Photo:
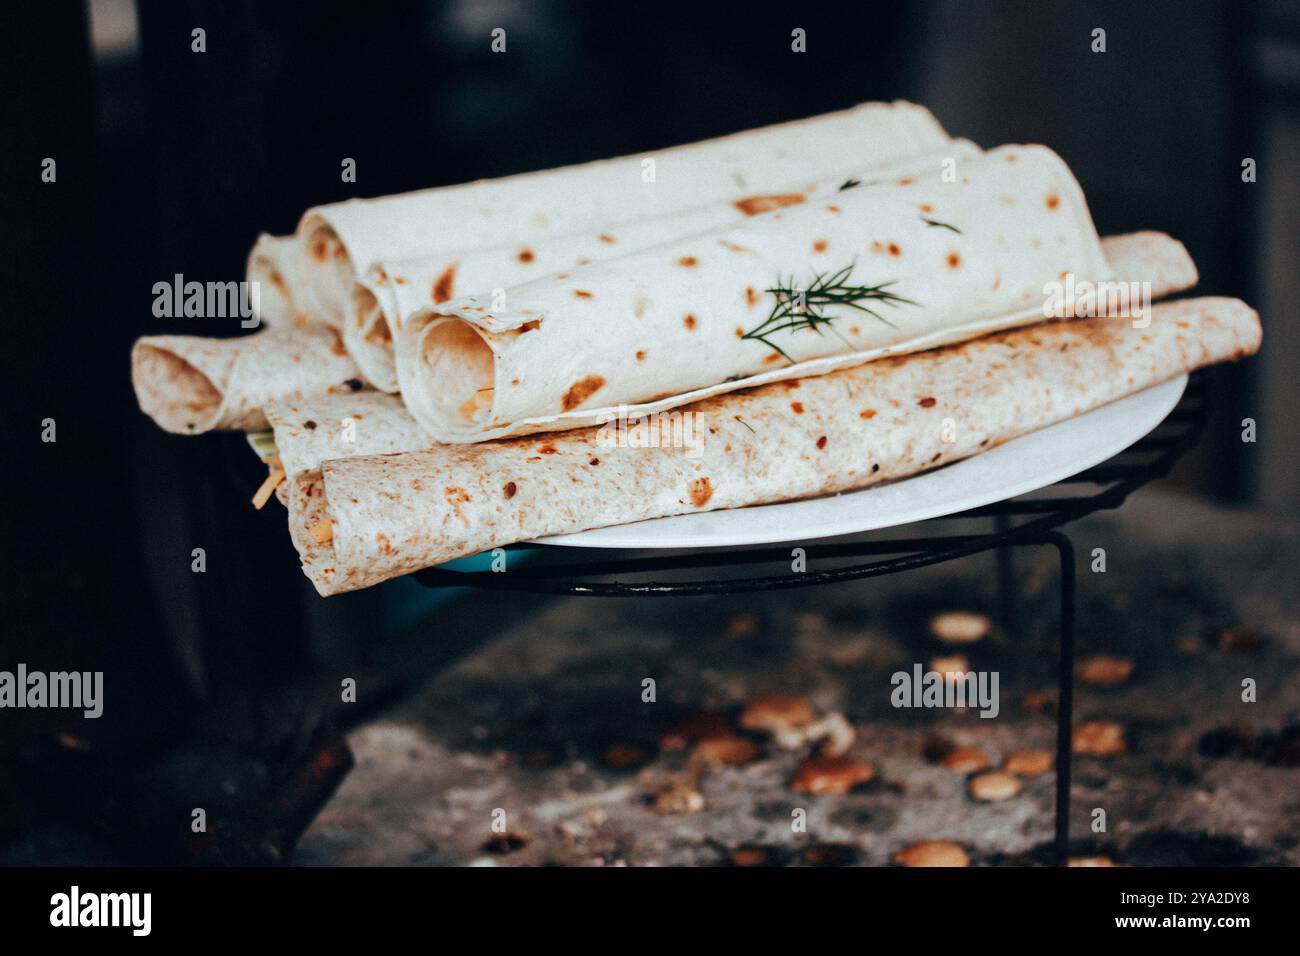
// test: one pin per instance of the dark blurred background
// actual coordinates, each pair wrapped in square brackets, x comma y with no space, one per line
[171,161]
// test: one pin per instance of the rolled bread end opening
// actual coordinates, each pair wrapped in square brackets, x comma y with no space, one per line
[326,252]
[311,528]
[460,371]
[173,392]
[272,265]
[274,300]
[369,338]
[369,319]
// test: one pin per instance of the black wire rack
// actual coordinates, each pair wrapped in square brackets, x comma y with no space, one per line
[1031,520]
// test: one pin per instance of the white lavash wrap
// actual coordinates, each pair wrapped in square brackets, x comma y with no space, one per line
[662,327]
[189,384]
[389,515]
[317,428]
[343,424]
[278,264]
[342,240]
[273,264]
[393,289]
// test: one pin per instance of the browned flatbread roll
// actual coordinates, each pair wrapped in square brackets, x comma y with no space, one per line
[359,521]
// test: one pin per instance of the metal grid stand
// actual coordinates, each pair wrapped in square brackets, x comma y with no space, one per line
[1018,522]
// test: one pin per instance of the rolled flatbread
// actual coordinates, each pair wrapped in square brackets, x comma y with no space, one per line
[393,289]
[936,257]
[342,240]
[189,384]
[343,424]
[278,265]
[359,521]
[316,428]
[273,264]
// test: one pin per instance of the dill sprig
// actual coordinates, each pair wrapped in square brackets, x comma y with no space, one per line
[941,225]
[802,308]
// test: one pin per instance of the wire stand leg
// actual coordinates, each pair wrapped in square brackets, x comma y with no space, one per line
[1006,596]
[1065,702]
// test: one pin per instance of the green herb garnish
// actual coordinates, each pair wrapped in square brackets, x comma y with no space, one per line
[797,308]
[941,225]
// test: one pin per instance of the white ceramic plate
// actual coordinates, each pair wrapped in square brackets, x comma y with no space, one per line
[1026,464]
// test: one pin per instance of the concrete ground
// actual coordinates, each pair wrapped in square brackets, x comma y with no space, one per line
[537,747]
